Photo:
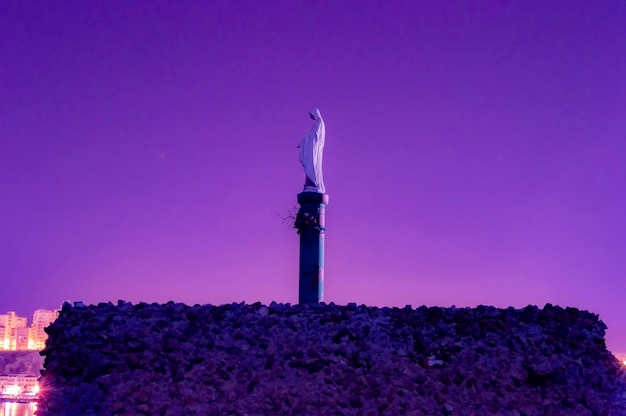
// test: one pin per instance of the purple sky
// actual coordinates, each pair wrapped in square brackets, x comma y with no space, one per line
[475,151]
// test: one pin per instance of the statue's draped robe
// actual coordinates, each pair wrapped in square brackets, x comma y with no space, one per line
[311,152]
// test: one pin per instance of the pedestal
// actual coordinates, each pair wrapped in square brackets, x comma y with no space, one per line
[310,222]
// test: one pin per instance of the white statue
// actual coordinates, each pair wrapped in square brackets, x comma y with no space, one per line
[311,152]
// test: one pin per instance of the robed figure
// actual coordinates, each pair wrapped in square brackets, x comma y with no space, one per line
[311,152]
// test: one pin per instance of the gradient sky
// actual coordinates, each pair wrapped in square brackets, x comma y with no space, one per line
[474,154]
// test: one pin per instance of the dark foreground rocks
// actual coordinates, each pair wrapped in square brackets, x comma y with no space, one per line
[173,359]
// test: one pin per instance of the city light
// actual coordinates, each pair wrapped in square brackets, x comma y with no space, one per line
[19,388]
[34,391]
[16,335]
[11,391]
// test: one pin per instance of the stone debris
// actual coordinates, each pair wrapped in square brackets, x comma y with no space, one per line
[280,359]
[433,362]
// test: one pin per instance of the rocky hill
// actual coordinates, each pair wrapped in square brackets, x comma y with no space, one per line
[21,362]
[173,359]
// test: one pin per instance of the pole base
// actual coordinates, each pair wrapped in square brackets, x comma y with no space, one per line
[312,219]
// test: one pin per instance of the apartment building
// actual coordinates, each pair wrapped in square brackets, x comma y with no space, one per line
[10,322]
[15,335]
[41,319]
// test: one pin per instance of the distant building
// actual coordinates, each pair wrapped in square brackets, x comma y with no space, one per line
[20,338]
[5,331]
[11,321]
[16,335]
[41,319]
[18,387]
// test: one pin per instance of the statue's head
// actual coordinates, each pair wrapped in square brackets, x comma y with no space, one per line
[315,114]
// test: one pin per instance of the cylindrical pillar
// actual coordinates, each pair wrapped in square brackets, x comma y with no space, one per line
[310,223]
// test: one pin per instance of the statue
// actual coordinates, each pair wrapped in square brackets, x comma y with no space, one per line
[311,152]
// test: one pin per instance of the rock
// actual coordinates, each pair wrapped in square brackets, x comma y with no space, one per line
[171,360]
[144,409]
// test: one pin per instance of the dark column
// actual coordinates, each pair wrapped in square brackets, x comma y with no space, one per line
[310,223]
